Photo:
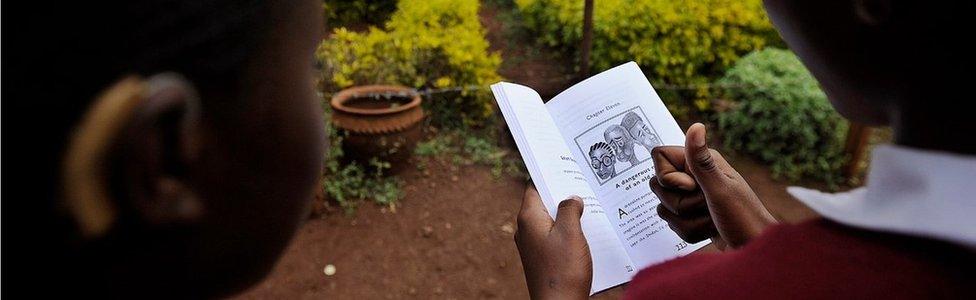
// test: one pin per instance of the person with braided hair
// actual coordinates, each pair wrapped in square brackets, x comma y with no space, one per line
[602,160]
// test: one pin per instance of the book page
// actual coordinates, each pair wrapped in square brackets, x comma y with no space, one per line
[557,176]
[610,123]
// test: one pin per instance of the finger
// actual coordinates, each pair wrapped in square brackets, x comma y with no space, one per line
[693,229]
[669,167]
[533,216]
[569,214]
[705,164]
[680,202]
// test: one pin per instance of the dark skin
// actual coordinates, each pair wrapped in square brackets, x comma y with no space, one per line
[214,195]
[880,62]
[540,237]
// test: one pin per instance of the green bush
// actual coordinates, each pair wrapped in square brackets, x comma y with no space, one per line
[350,12]
[674,42]
[781,116]
[427,44]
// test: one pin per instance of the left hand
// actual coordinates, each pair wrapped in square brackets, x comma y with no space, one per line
[555,256]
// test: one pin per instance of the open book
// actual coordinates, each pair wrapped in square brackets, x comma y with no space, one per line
[594,140]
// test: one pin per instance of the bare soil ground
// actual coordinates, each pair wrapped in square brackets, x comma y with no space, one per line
[450,238]
[451,235]
[523,61]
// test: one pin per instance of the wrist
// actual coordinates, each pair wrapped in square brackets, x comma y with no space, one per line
[556,289]
[754,226]
[562,294]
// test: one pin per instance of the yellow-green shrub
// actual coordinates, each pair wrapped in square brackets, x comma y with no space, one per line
[675,42]
[425,44]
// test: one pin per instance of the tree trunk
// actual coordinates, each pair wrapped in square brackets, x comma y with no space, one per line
[857,142]
[587,44]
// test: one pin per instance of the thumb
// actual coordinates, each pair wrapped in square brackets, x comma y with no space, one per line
[568,215]
[699,159]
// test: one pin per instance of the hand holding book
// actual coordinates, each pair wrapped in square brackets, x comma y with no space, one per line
[702,196]
[597,141]
[594,141]
[555,256]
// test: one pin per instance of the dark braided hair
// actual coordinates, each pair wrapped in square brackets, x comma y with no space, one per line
[601,145]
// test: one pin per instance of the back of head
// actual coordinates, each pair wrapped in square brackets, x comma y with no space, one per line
[887,62]
[57,58]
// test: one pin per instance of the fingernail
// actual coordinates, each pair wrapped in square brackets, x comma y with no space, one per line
[698,139]
[571,198]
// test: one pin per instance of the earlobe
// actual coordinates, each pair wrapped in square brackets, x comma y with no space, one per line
[174,203]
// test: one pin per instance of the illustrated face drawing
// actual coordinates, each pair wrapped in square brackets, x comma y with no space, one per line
[601,160]
[619,139]
[639,131]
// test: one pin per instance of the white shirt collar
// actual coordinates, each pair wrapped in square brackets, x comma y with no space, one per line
[909,191]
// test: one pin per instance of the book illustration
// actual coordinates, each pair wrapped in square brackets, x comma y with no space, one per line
[639,131]
[622,143]
[596,143]
[618,143]
[601,160]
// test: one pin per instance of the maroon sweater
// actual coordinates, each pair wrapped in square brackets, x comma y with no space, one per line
[818,259]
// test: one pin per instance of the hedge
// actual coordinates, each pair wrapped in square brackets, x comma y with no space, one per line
[781,116]
[426,44]
[674,42]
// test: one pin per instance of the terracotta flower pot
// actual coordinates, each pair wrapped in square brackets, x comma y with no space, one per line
[381,121]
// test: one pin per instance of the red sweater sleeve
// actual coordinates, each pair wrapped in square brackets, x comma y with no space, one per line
[815,260]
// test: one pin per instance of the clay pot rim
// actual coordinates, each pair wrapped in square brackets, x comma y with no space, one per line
[338,101]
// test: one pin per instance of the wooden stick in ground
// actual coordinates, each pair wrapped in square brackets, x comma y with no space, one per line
[855,146]
[587,44]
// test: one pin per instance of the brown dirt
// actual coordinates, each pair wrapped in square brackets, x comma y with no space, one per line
[525,62]
[451,235]
[449,238]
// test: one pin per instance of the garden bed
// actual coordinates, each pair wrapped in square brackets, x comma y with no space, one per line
[450,233]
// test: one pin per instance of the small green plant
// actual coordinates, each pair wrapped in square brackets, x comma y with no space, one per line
[781,116]
[351,183]
[482,151]
[437,146]
[470,147]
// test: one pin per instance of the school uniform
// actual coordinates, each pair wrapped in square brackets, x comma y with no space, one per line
[909,233]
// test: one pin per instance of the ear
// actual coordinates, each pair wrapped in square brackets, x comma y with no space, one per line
[155,152]
[129,155]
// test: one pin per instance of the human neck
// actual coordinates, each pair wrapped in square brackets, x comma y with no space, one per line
[933,126]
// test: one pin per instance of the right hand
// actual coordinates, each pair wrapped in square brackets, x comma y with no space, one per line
[702,195]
